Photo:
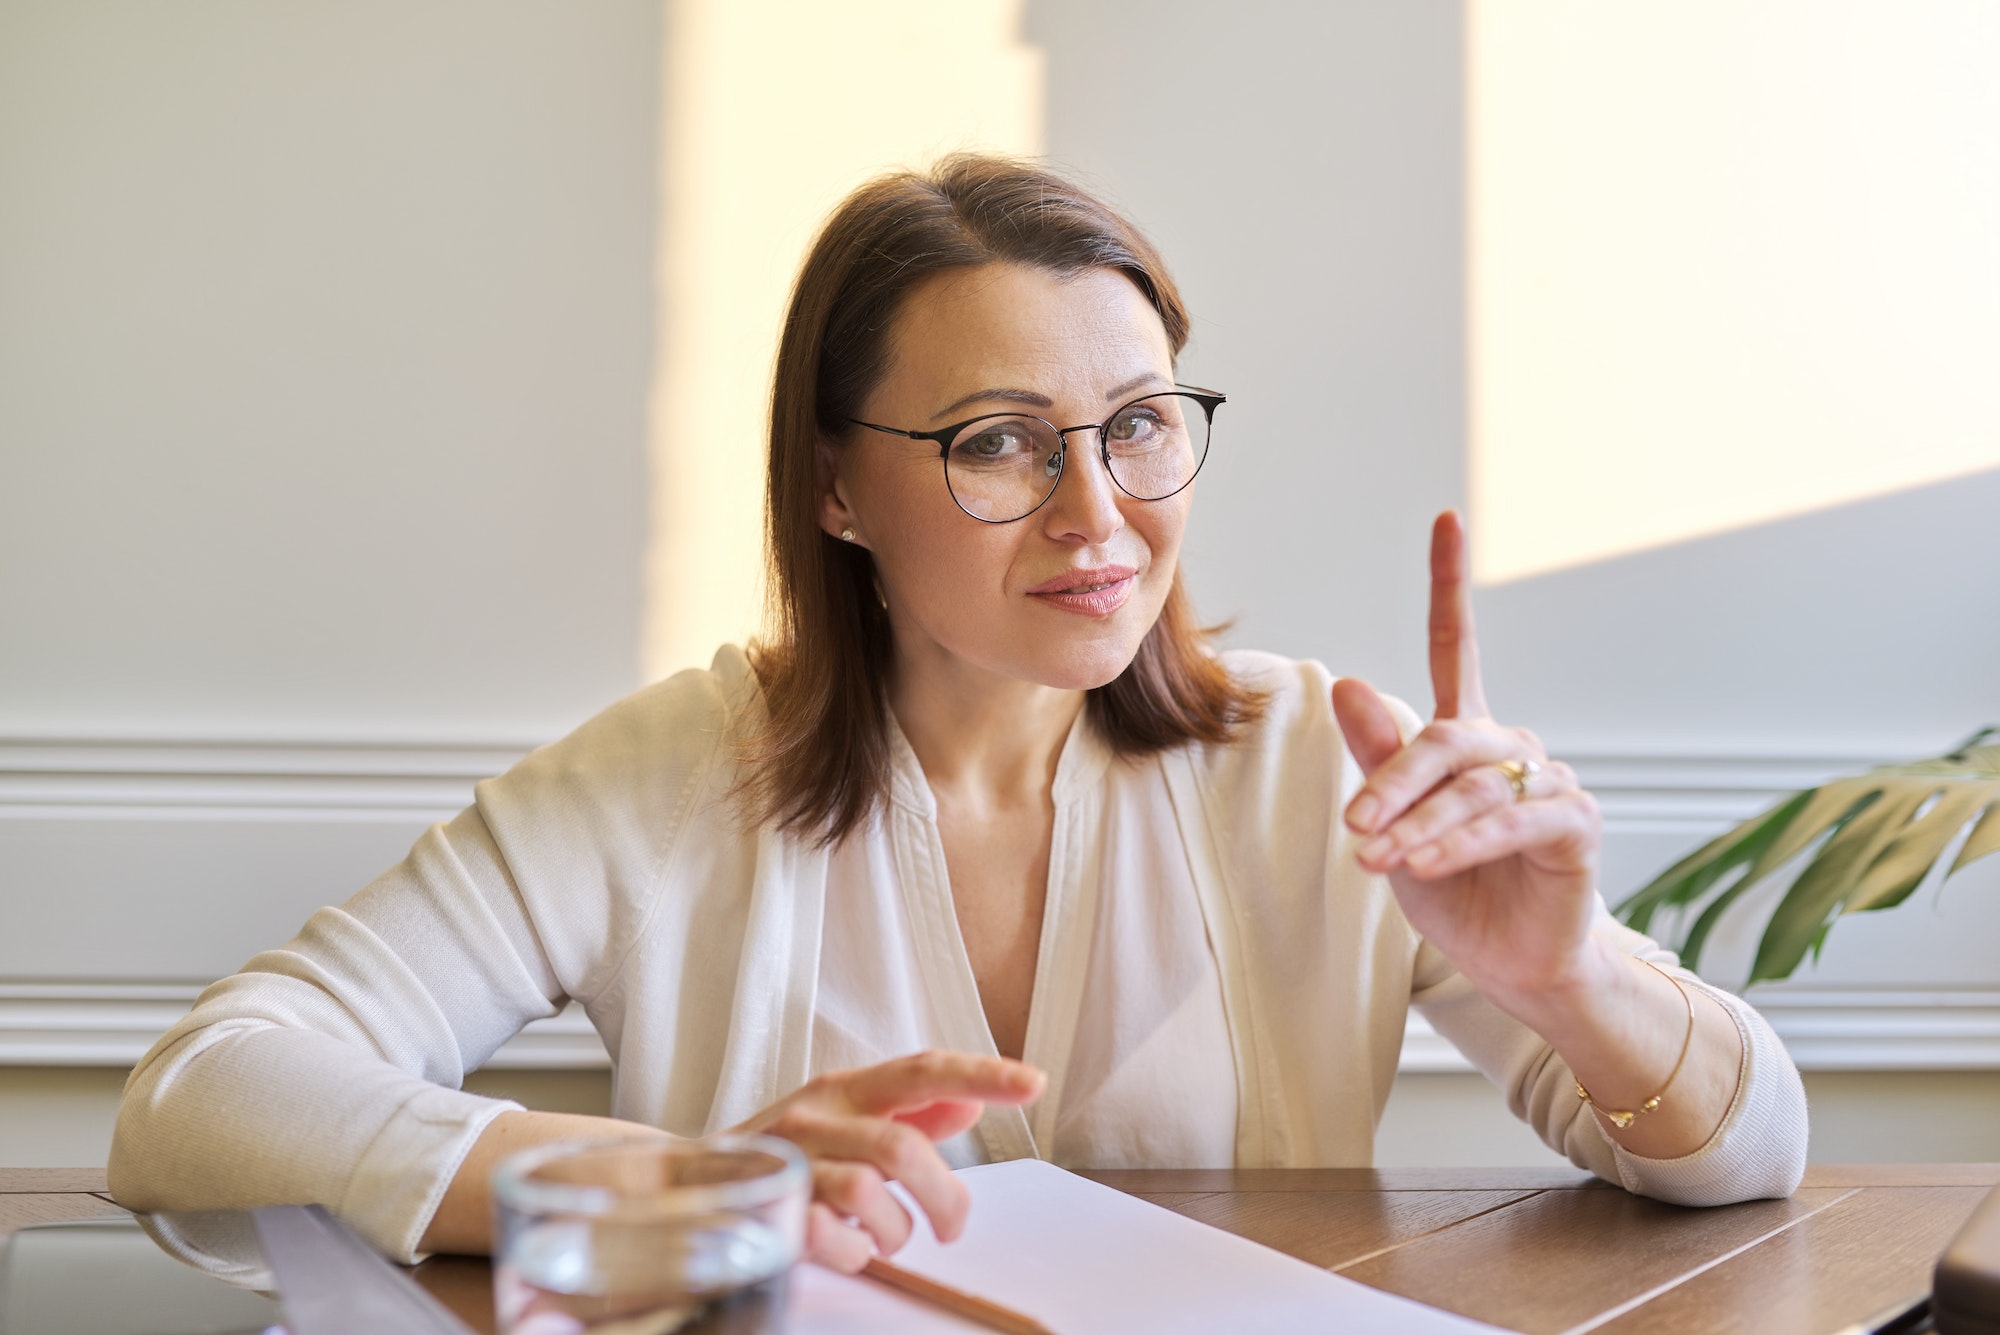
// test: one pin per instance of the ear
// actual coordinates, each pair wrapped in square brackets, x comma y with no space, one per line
[835,516]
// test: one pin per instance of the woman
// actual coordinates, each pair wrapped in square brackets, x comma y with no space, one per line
[985,797]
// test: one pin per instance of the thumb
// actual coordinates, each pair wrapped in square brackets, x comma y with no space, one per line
[1366,723]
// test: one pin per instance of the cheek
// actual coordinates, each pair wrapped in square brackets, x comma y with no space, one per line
[1162,524]
[948,584]
[926,561]
[897,502]
[935,561]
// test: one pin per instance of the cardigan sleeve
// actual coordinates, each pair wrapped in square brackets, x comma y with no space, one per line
[328,1071]
[1759,1149]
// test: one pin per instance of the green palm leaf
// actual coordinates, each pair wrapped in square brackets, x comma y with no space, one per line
[1878,835]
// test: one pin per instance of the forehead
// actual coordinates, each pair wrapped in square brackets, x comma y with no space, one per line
[1023,327]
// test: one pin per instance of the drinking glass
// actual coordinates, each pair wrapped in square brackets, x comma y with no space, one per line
[648,1236]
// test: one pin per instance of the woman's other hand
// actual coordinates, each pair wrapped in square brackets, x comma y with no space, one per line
[1504,885]
[865,1128]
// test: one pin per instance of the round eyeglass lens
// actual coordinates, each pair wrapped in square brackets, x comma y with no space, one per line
[1002,467]
[1156,445]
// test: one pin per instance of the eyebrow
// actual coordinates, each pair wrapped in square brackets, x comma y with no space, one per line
[1005,395]
[1033,399]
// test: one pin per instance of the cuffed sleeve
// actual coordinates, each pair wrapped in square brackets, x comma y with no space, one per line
[1757,1151]
[326,1072]
[1760,1148]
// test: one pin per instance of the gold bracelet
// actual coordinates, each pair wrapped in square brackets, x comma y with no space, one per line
[1622,1117]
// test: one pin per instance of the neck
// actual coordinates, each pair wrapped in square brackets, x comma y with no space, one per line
[978,734]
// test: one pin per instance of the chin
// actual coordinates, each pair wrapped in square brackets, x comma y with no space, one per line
[1084,667]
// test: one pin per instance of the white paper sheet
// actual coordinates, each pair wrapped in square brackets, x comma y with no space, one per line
[1087,1260]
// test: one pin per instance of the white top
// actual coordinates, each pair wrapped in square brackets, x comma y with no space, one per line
[1127,1013]
[1219,983]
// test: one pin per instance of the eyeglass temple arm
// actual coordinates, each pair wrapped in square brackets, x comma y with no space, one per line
[887,430]
[935,437]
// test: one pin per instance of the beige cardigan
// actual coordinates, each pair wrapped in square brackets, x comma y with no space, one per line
[611,868]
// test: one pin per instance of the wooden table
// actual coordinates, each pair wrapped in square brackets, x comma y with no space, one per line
[1542,1251]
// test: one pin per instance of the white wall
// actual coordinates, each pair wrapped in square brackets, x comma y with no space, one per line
[324,338]
[1301,165]
[1863,630]
[325,335]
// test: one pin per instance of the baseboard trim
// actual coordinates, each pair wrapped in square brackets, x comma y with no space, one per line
[112,1025]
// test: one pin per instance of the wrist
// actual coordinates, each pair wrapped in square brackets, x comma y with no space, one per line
[1573,997]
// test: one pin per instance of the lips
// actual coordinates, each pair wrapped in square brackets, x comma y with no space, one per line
[1096,591]
[1073,581]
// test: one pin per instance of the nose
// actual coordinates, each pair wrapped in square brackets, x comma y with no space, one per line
[1084,508]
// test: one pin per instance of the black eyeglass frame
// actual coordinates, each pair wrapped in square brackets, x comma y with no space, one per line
[1209,400]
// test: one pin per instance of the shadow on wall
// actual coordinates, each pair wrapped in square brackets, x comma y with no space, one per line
[1867,627]
[1302,167]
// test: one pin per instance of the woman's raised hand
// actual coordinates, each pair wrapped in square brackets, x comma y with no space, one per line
[1504,883]
[865,1128]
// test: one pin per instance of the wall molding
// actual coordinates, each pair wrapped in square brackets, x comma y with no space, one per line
[194,779]
[1826,1029]
[388,773]
[112,1022]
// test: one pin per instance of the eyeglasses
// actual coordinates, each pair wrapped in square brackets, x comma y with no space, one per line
[1003,467]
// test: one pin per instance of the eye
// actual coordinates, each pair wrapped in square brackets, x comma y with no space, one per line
[1136,426]
[991,444]
[995,443]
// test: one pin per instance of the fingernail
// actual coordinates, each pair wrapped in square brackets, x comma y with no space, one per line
[1423,857]
[1378,848]
[1361,813]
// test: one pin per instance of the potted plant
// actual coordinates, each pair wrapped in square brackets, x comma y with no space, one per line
[1878,833]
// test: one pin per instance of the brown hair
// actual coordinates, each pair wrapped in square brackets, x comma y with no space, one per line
[820,764]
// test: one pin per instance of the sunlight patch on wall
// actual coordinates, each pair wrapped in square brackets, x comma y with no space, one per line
[1729,261]
[773,111]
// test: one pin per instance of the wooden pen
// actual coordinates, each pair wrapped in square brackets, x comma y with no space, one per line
[967,1305]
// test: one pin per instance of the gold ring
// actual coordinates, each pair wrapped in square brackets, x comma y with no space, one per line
[1518,773]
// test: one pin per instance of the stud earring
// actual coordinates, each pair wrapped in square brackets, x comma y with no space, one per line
[847,535]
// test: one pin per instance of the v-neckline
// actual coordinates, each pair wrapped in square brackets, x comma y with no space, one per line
[1068,911]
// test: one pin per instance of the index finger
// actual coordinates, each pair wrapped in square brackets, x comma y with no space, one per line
[1454,649]
[912,1082]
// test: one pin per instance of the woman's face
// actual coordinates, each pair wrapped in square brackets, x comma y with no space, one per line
[1063,597]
